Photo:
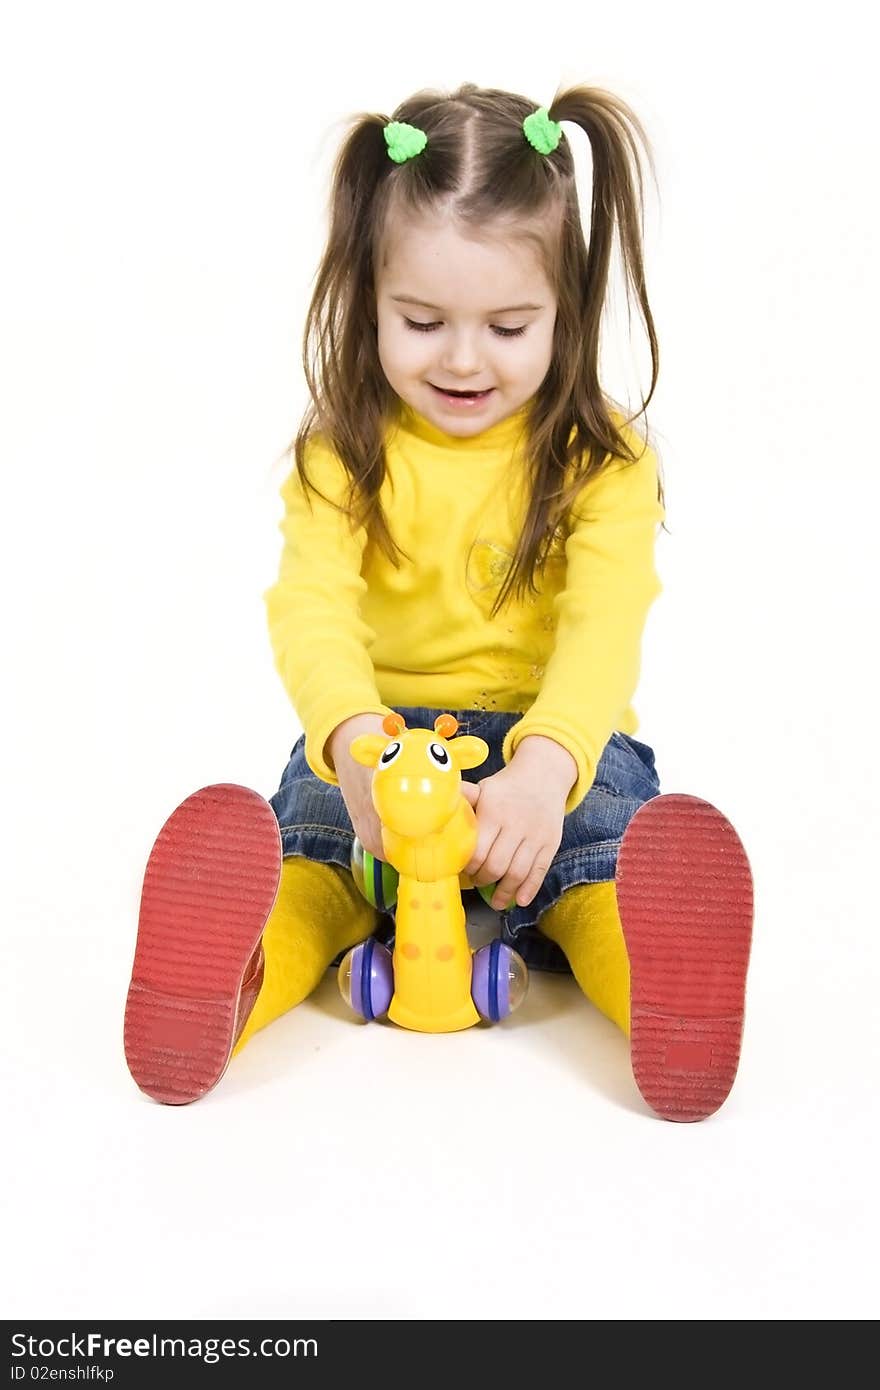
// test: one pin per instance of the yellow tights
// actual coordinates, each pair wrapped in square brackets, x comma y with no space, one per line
[586,924]
[320,912]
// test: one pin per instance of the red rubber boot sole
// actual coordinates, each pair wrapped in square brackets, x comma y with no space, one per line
[685,899]
[209,886]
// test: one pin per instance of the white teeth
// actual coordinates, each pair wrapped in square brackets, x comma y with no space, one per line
[462,395]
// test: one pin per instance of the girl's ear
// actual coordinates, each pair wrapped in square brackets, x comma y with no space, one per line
[468,751]
[367,748]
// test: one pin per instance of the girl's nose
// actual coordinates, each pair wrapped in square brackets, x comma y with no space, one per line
[461,355]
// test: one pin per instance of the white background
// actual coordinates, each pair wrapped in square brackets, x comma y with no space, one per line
[164,177]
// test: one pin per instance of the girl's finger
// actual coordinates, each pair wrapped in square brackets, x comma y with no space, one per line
[523,879]
[500,858]
[513,866]
[471,792]
[532,884]
[486,837]
[497,859]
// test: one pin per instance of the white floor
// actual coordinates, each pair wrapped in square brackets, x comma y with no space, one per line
[343,1170]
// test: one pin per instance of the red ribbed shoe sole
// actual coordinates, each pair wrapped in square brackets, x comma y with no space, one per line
[685,899]
[209,886]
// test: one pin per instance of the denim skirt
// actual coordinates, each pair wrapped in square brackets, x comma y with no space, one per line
[315,824]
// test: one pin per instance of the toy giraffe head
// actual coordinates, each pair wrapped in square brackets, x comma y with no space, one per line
[417,783]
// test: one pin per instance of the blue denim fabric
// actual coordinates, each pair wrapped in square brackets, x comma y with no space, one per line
[314,821]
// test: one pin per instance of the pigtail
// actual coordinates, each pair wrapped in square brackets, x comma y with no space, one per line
[609,125]
[576,429]
[350,398]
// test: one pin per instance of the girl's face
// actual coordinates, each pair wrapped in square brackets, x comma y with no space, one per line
[460,314]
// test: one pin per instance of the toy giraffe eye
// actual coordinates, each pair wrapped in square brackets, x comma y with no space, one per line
[438,755]
[390,753]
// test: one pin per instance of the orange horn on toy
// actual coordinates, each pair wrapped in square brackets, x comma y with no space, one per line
[445,725]
[394,724]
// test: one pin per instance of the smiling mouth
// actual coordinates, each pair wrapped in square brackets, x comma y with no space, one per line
[447,391]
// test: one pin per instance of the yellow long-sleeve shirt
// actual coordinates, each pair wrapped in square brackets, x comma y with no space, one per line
[352,634]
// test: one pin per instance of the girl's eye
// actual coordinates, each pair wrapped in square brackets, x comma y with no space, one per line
[496,328]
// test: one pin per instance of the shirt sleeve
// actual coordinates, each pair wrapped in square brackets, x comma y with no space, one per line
[319,641]
[610,584]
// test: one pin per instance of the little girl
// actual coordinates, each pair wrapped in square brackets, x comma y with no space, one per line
[469,529]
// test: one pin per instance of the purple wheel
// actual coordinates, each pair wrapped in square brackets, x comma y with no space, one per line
[366,980]
[499,981]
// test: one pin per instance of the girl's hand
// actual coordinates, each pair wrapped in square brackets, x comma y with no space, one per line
[355,780]
[520,811]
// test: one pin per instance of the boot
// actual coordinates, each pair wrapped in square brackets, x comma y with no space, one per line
[209,887]
[685,898]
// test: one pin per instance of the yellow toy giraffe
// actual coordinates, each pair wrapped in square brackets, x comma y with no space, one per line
[429,832]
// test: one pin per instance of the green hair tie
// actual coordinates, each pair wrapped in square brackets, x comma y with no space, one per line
[404,140]
[542,133]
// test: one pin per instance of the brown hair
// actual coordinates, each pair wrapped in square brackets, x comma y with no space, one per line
[479,166]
